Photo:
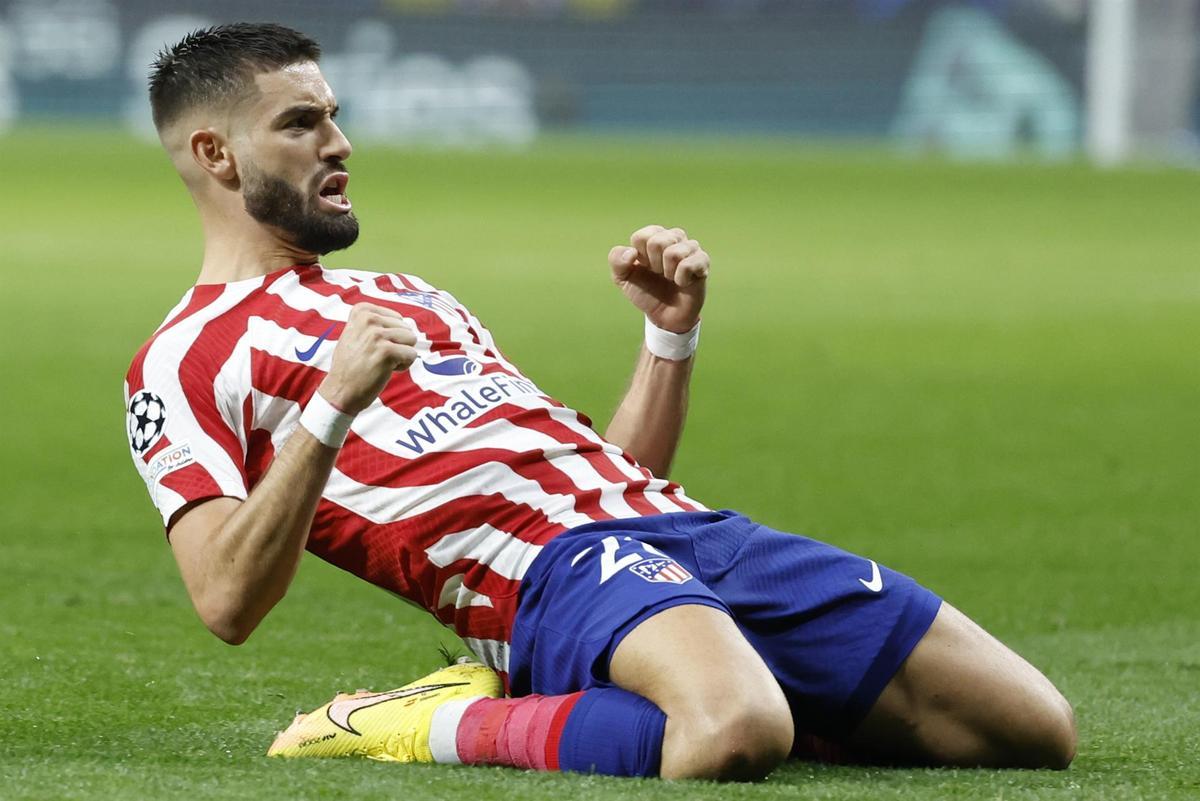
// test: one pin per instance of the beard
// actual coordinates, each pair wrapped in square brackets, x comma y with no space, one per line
[273,201]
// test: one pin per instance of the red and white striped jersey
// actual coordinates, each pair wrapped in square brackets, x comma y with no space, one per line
[448,485]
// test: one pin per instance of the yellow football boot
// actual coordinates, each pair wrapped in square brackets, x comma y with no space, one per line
[392,726]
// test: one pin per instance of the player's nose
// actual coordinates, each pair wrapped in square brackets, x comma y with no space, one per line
[337,147]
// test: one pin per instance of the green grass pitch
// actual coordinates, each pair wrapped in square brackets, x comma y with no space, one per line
[985,376]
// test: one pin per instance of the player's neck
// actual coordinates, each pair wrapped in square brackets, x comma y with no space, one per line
[235,253]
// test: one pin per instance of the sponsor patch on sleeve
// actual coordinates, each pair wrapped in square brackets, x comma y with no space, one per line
[168,461]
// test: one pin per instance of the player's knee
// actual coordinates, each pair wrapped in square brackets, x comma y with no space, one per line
[1055,740]
[740,740]
[1040,735]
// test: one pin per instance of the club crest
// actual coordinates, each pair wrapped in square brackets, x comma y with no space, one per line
[661,570]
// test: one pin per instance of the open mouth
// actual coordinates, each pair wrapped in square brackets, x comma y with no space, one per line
[333,192]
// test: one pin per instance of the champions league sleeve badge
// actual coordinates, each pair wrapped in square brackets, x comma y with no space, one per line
[145,421]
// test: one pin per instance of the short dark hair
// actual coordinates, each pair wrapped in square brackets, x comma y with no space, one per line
[217,64]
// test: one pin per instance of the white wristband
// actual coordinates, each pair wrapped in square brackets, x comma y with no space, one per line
[669,345]
[325,421]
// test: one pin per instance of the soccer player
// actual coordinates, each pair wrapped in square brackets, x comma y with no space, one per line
[372,420]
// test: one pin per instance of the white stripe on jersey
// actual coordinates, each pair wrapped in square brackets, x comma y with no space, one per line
[500,551]
[576,468]
[453,592]
[301,298]
[166,498]
[280,416]
[390,504]
[654,495]
[364,282]
[179,307]
[509,469]
[678,493]
[230,384]
[161,376]
[569,419]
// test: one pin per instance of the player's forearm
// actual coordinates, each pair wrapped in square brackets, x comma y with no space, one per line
[261,543]
[648,424]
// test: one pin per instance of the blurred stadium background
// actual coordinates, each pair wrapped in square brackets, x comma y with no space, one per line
[990,78]
[953,325]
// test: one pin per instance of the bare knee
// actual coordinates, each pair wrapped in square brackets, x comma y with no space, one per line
[963,698]
[727,717]
[1037,730]
[1051,739]
[739,740]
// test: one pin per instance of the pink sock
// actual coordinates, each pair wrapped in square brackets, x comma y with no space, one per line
[520,732]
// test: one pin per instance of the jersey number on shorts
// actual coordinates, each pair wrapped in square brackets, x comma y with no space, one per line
[610,565]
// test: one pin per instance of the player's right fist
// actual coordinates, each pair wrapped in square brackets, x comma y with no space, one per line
[375,343]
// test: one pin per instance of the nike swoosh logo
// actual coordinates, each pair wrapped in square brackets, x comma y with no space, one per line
[305,355]
[876,582]
[339,712]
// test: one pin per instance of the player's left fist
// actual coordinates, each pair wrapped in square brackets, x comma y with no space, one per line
[664,273]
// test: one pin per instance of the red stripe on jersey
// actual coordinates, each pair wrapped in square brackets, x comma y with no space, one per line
[636,492]
[260,452]
[592,450]
[471,544]
[409,295]
[403,282]
[358,546]
[196,376]
[471,330]
[211,349]
[477,335]
[308,323]
[281,378]
[671,499]
[675,493]
[202,296]
[368,465]
[192,482]
[405,398]
[162,444]
[430,323]
[393,555]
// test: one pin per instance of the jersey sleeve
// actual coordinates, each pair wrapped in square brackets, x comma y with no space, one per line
[183,426]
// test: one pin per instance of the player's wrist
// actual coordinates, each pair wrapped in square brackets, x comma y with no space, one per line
[671,345]
[327,423]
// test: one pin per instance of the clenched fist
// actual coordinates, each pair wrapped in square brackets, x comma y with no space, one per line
[664,274]
[375,343]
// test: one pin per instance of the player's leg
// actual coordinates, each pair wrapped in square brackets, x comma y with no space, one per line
[963,698]
[726,715]
[691,697]
[693,700]
[868,657]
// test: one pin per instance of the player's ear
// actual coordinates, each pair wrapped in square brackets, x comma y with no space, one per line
[212,153]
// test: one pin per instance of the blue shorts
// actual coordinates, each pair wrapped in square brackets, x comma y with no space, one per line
[832,627]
